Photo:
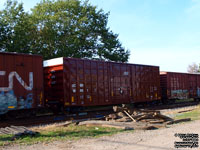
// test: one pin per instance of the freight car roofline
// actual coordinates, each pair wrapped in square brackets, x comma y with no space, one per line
[59,61]
[165,72]
[20,54]
[53,62]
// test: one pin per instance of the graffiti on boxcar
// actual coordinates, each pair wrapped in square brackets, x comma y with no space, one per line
[16,75]
[179,94]
[198,91]
[25,103]
[8,99]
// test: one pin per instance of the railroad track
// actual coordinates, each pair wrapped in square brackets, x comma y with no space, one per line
[40,120]
[173,106]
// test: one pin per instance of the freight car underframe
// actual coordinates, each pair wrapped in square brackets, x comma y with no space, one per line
[58,107]
[23,113]
[179,100]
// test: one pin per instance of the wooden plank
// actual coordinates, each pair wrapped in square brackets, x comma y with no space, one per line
[183,111]
[178,121]
[129,116]
[166,118]
[108,125]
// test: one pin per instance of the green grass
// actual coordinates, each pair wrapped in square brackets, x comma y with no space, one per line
[184,100]
[59,133]
[194,115]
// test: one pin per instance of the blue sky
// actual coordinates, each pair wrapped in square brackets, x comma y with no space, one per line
[157,32]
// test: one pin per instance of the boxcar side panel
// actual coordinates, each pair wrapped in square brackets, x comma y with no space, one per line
[192,85]
[198,86]
[87,82]
[179,85]
[22,81]
[92,83]
[133,92]
[120,81]
[147,83]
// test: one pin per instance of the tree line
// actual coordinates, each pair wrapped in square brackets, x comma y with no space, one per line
[60,28]
[193,68]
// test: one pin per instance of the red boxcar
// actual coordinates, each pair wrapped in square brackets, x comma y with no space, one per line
[180,85]
[79,82]
[21,81]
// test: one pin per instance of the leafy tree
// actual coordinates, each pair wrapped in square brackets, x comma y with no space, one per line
[69,28]
[75,29]
[193,68]
[2,35]
[15,28]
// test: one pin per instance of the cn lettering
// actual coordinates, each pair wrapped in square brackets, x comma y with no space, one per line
[19,79]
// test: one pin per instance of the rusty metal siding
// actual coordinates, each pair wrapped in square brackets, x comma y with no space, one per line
[53,84]
[198,86]
[120,81]
[147,83]
[179,85]
[163,85]
[86,82]
[21,81]
[193,85]
[91,83]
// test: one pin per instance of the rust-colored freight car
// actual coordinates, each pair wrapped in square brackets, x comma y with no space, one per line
[79,82]
[21,81]
[180,85]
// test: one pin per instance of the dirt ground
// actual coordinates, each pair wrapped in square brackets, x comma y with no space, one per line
[161,139]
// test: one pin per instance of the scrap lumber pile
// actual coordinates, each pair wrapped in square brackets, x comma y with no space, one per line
[128,118]
[127,114]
